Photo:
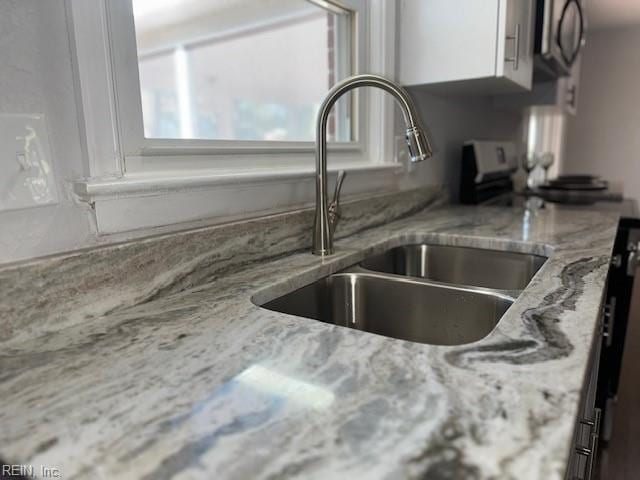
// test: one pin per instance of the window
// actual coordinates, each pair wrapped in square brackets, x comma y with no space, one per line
[200,109]
[241,70]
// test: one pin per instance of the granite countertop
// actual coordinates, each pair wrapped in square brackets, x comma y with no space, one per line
[202,383]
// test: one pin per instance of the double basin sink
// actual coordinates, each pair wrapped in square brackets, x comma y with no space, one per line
[434,294]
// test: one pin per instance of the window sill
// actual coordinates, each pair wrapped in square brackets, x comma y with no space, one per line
[92,189]
[142,202]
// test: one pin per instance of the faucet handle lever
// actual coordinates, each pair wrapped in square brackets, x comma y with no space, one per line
[339,181]
[334,206]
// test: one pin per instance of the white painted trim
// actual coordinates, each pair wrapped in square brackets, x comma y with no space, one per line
[237,147]
[93,189]
[226,34]
[94,86]
[127,87]
[187,201]
[126,76]
[202,164]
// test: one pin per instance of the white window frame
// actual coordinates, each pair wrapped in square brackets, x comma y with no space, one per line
[127,171]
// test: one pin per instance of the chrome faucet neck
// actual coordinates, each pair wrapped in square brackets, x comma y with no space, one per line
[419,148]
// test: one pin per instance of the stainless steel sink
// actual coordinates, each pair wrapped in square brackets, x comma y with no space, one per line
[398,307]
[459,265]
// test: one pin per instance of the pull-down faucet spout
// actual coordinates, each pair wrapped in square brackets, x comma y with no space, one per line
[327,215]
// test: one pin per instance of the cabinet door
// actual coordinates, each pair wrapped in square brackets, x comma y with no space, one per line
[562,93]
[571,88]
[587,430]
[515,41]
[447,41]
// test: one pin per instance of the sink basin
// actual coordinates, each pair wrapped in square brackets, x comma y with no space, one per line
[459,265]
[404,308]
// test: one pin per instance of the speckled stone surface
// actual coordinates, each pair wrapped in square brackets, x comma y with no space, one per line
[48,294]
[202,383]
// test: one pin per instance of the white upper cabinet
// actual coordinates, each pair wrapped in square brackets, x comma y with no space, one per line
[467,45]
[560,93]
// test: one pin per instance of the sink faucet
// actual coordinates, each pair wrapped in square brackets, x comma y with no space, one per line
[327,215]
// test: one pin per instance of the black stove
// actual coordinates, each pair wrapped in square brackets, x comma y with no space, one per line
[486,179]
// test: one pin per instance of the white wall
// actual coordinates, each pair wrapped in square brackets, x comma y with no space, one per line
[452,120]
[36,77]
[604,138]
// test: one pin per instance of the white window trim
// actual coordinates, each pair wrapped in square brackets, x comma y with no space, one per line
[112,131]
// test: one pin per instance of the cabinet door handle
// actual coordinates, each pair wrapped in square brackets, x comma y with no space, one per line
[592,459]
[570,58]
[516,47]
[634,258]
[597,418]
[590,453]
[572,96]
[584,451]
[609,317]
[593,423]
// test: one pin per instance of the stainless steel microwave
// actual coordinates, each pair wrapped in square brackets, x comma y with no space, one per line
[559,36]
